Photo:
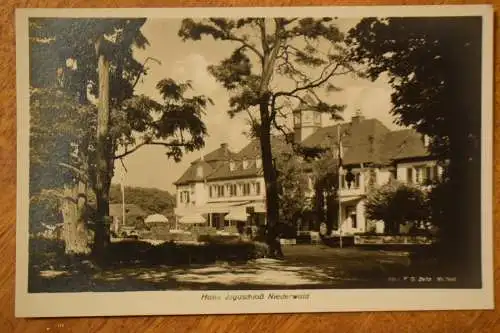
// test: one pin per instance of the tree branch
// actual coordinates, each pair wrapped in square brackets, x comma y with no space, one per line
[143,71]
[245,43]
[314,84]
[142,144]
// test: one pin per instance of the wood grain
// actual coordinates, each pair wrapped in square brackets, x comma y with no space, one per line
[444,321]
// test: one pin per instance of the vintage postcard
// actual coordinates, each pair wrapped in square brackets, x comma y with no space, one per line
[254,160]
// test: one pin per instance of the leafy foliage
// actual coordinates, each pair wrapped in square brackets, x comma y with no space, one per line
[303,53]
[433,65]
[151,200]
[293,186]
[64,69]
[57,137]
[275,64]
[395,204]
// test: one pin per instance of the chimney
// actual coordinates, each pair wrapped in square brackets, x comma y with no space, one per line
[358,117]
[223,145]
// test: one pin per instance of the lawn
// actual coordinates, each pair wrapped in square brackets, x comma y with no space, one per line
[304,266]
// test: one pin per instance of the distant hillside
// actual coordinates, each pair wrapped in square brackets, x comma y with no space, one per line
[151,200]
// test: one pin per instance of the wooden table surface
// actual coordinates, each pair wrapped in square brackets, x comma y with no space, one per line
[444,321]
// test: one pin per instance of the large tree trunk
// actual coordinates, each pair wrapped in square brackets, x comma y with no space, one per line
[75,232]
[103,152]
[270,178]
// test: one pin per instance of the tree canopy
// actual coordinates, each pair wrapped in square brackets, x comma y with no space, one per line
[270,55]
[434,65]
[396,204]
[276,66]
[85,112]
[151,200]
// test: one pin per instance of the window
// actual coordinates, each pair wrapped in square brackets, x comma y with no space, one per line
[211,191]
[355,183]
[257,188]
[317,117]
[199,171]
[232,190]
[435,172]
[296,119]
[350,212]
[357,180]
[232,166]
[246,189]
[245,164]
[184,197]
[220,191]
[428,172]
[422,174]
[409,175]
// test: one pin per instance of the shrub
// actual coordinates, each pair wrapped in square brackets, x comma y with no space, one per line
[219,239]
[260,250]
[396,203]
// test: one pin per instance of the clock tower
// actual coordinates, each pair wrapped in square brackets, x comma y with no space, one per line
[305,120]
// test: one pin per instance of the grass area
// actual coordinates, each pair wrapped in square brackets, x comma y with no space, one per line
[139,266]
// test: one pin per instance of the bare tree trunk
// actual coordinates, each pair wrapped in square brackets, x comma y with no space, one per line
[270,178]
[75,232]
[103,152]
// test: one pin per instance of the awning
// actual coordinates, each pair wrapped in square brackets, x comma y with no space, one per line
[237,214]
[156,218]
[220,208]
[259,207]
[192,219]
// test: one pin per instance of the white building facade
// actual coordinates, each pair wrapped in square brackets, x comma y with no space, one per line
[228,188]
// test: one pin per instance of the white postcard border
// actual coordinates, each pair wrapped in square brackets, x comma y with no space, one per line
[192,302]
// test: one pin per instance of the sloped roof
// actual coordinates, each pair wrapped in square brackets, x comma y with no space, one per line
[211,162]
[224,172]
[404,144]
[191,174]
[362,141]
[250,154]
[252,150]
[223,153]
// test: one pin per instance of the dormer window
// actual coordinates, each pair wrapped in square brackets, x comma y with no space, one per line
[426,140]
[297,119]
[317,118]
[258,163]
[199,171]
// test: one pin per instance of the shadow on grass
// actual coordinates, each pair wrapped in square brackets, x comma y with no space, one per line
[140,266]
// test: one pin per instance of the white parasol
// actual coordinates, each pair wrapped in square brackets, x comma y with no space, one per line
[156,218]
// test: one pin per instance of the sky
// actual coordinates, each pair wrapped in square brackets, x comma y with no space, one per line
[150,167]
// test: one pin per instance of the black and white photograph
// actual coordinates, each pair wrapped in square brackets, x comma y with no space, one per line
[189,161]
